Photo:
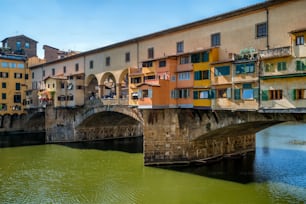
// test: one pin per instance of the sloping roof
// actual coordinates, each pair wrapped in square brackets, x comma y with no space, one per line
[205,21]
[19,36]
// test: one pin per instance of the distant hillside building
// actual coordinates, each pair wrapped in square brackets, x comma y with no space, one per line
[52,53]
[21,45]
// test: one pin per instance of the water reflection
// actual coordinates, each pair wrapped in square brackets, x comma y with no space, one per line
[129,145]
[277,159]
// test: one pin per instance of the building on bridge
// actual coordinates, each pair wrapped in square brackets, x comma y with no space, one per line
[283,78]
[241,60]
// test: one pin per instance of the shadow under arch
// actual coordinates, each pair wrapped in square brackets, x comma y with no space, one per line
[108,85]
[92,86]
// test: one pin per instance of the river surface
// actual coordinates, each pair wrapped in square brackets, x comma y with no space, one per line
[113,172]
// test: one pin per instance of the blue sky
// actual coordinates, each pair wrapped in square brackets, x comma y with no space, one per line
[88,24]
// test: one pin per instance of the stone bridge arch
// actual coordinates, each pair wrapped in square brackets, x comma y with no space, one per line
[84,123]
[105,122]
[189,135]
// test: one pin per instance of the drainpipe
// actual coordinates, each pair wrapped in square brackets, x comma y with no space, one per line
[267,19]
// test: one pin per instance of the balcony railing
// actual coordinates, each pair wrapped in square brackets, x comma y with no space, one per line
[275,52]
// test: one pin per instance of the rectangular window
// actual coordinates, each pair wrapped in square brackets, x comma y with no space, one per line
[17,86]
[4,64]
[184,76]
[184,59]
[17,75]
[299,40]
[281,66]
[27,45]
[43,73]
[196,58]
[64,69]
[3,85]
[173,78]
[127,57]
[151,77]
[70,98]
[17,98]
[4,75]
[12,65]
[107,61]
[237,94]
[222,71]
[3,107]
[62,85]
[18,45]
[201,75]
[53,72]
[183,93]
[26,76]
[136,80]
[248,94]
[162,63]
[205,56]
[204,94]
[3,96]
[269,67]
[300,65]
[275,94]
[150,53]
[261,30]
[91,64]
[215,39]
[221,93]
[77,67]
[20,66]
[180,47]
[33,75]
[245,68]
[147,64]
[299,94]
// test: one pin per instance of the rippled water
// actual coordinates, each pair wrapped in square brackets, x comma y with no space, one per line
[96,174]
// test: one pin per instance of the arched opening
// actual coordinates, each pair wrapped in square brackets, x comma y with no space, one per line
[124,84]
[108,86]
[92,87]
[108,125]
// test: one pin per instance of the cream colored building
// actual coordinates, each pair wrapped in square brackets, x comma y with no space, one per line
[263,26]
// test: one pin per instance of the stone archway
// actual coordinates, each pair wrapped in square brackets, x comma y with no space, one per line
[124,84]
[92,89]
[108,86]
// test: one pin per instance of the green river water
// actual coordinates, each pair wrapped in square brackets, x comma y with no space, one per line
[63,174]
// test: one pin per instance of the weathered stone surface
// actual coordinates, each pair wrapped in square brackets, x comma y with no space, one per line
[187,135]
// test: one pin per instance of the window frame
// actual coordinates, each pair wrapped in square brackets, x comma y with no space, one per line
[107,61]
[151,53]
[180,47]
[261,30]
[215,39]
[300,40]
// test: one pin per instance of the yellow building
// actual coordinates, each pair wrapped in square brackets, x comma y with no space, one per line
[202,77]
[15,80]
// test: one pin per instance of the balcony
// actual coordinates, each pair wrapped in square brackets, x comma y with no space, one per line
[275,52]
[300,50]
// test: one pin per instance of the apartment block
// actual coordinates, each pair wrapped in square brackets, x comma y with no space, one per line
[15,80]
